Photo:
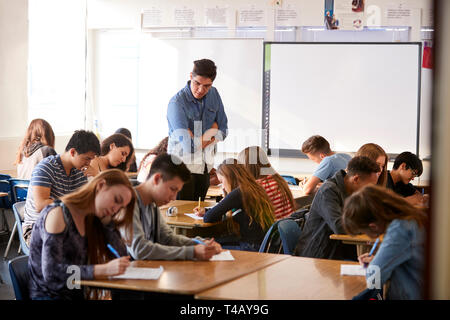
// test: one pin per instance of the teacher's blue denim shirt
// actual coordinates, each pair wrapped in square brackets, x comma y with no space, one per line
[400,259]
[185,112]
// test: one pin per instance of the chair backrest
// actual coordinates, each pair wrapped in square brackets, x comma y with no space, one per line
[5,203]
[290,232]
[271,242]
[4,176]
[19,189]
[283,236]
[20,276]
[18,209]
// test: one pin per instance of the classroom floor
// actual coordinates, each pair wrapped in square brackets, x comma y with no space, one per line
[6,290]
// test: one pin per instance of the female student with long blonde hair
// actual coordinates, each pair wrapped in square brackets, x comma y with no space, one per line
[71,235]
[252,210]
[375,210]
[256,161]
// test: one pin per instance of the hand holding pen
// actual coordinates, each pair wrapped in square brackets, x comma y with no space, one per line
[366,258]
[117,266]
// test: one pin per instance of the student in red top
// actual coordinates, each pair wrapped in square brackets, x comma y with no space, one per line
[255,159]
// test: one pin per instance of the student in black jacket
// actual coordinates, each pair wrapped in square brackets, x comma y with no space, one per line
[326,211]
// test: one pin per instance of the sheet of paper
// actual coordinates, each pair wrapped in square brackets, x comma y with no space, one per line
[194,216]
[141,273]
[223,256]
[352,270]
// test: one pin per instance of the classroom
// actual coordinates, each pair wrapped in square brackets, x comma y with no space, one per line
[180,98]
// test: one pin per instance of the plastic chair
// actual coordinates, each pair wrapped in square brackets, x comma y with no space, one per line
[18,209]
[20,276]
[5,203]
[271,242]
[19,190]
[282,235]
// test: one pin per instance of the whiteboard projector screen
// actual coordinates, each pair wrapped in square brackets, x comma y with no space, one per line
[349,93]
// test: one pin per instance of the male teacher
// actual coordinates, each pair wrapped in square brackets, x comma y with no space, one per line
[197,121]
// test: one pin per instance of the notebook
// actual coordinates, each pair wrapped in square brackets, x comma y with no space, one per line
[352,270]
[223,256]
[141,273]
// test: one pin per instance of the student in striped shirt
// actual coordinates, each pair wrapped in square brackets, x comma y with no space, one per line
[58,175]
[255,159]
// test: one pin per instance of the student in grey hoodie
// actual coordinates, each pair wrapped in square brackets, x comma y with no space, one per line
[152,237]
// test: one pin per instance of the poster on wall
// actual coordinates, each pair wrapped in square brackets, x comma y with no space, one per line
[252,16]
[216,16]
[287,15]
[398,15]
[344,14]
[152,17]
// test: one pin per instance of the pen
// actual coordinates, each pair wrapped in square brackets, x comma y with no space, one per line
[374,246]
[199,241]
[113,250]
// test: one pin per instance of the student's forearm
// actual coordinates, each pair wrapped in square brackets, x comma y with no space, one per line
[42,203]
[309,187]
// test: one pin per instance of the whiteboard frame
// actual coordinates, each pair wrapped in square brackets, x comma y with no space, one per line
[296,153]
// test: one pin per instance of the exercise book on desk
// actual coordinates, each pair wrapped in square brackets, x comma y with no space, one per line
[223,256]
[141,273]
[194,216]
[352,270]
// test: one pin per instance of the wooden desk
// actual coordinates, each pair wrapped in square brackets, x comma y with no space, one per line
[363,242]
[214,191]
[191,277]
[295,278]
[181,223]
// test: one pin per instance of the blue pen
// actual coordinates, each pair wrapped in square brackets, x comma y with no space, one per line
[374,246]
[113,250]
[199,241]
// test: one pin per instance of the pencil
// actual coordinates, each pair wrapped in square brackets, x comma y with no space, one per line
[199,198]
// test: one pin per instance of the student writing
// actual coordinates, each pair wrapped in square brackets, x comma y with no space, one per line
[400,258]
[253,209]
[74,231]
[152,237]
[317,148]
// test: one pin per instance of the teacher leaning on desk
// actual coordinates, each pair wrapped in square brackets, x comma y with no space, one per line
[197,121]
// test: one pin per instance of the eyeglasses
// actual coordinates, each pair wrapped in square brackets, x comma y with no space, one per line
[414,173]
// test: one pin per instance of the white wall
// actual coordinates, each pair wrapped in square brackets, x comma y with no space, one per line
[13,77]
[121,14]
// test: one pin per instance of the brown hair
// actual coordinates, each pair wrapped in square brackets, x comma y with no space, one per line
[39,131]
[119,140]
[204,68]
[256,203]
[373,151]
[254,159]
[83,198]
[316,144]
[159,149]
[377,204]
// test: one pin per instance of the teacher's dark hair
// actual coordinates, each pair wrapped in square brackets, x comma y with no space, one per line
[204,68]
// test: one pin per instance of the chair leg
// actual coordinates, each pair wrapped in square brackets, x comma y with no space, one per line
[10,239]
[4,227]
